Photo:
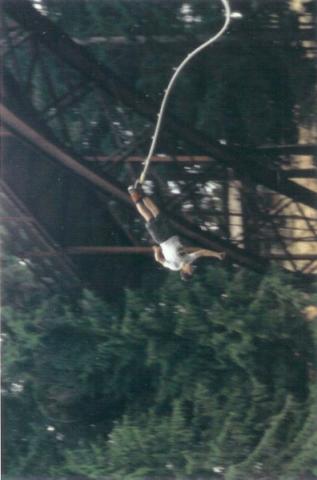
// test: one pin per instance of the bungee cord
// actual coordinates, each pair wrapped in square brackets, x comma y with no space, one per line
[172,83]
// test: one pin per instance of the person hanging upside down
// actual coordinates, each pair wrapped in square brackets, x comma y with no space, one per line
[169,250]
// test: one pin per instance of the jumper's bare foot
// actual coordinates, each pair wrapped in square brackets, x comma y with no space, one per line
[135,193]
[222,255]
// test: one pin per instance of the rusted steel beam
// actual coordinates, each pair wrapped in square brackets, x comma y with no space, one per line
[34,234]
[189,43]
[309,149]
[284,245]
[310,268]
[138,250]
[91,250]
[193,159]
[310,222]
[80,59]
[51,89]
[5,133]
[155,158]
[16,218]
[66,100]
[290,256]
[35,138]
[190,231]
[12,203]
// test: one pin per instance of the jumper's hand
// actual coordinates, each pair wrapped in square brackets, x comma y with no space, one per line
[159,257]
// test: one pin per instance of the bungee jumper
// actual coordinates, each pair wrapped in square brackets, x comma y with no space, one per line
[169,250]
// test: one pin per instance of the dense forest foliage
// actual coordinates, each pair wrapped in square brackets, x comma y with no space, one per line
[212,379]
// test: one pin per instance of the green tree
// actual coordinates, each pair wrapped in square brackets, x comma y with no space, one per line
[68,365]
[189,379]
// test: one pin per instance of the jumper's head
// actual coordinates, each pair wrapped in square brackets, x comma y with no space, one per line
[186,271]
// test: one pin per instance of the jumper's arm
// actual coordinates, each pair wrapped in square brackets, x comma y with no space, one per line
[158,255]
[205,253]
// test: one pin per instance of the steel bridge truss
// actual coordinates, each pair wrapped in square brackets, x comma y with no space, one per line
[75,134]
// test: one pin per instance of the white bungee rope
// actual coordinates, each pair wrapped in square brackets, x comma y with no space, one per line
[172,82]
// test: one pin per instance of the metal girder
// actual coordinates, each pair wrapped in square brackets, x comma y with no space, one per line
[301,149]
[121,41]
[26,228]
[76,56]
[188,230]
[200,159]
[92,250]
[45,145]
[155,158]
[239,157]
[4,132]
[138,249]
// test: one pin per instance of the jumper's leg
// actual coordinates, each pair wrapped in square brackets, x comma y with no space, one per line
[151,206]
[144,211]
[211,253]
[137,198]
